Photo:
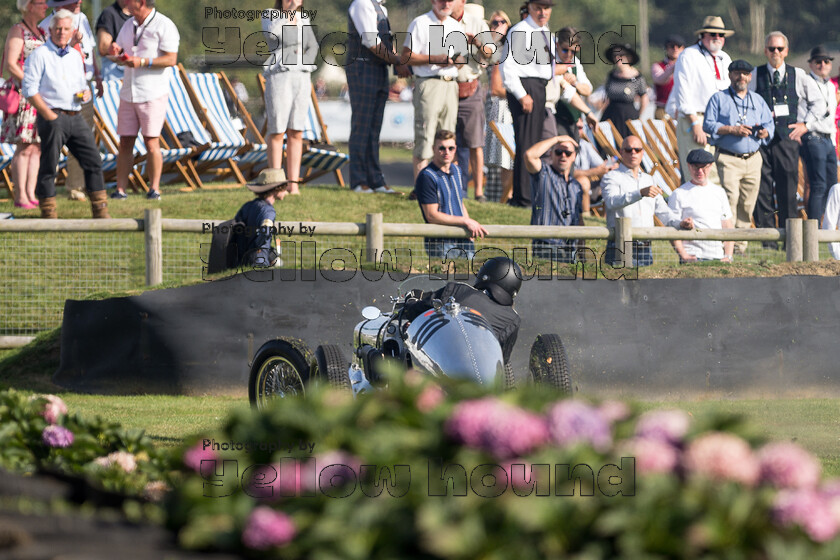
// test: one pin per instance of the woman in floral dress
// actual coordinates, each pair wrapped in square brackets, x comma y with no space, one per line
[19,128]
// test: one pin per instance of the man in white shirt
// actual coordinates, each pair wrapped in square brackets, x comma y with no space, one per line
[469,130]
[528,64]
[831,218]
[700,71]
[54,83]
[435,89]
[797,108]
[146,46]
[84,42]
[707,205]
[818,144]
[631,193]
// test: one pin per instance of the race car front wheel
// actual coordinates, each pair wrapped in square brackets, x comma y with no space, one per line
[548,363]
[279,370]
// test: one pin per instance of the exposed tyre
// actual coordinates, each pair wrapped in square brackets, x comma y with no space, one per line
[332,367]
[510,379]
[548,363]
[280,370]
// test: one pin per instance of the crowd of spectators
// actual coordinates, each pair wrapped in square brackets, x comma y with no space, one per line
[755,123]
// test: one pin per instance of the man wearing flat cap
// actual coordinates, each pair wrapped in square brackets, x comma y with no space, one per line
[739,122]
[797,108]
[818,144]
[557,196]
[699,73]
[259,215]
[707,206]
[528,64]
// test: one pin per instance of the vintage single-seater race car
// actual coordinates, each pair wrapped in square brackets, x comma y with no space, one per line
[447,340]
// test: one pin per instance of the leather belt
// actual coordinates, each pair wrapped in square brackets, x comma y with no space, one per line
[820,134]
[741,156]
[66,112]
[444,78]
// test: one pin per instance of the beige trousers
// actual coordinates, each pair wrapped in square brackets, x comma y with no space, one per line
[740,178]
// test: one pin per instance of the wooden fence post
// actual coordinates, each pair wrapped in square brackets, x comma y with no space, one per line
[793,239]
[374,237]
[153,234]
[624,240]
[810,241]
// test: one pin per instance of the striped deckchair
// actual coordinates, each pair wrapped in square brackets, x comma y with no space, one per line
[185,113]
[319,159]
[7,152]
[106,110]
[208,90]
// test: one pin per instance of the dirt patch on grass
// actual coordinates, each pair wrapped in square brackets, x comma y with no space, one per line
[31,367]
[743,270]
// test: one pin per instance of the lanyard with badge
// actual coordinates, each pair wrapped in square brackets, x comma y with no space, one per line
[779,109]
[145,26]
[822,86]
[742,109]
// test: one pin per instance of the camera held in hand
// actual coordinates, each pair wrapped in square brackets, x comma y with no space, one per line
[756,129]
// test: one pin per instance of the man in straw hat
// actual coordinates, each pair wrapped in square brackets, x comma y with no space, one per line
[258,216]
[701,71]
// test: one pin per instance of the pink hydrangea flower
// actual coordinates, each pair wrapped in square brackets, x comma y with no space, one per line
[57,436]
[614,411]
[196,454]
[429,399]
[571,422]
[652,455]
[333,466]
[54,409]
[125,460]
[267,528]
[720,455]
[664,425]
[500,429]
[786,465]
[808,509]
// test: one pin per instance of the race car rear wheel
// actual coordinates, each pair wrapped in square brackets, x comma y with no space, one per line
[510,378]
[280,370]
[332,367]
[548,363]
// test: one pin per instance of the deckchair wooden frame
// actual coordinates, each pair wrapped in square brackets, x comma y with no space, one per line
[508,190]
[201,111]
[309,174]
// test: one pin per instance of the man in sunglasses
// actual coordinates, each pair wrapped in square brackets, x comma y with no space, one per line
[818,145]
[797,109]
[739,122]
[439,190]
[631,193]
[557,196]
[700,71]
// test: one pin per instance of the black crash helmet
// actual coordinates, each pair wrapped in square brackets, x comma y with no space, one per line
[502,277]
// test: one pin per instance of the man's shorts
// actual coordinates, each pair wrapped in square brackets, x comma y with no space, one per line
[287,98]
[146,117]
[435,108]
[472,120]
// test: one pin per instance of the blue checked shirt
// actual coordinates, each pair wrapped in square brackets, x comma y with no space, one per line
[556,201]
[725,108]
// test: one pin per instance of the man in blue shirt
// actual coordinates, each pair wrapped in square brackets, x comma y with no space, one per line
[739,123]
[557,196]
[54,83]
[439,190]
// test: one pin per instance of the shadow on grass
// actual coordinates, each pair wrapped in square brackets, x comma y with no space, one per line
[30,368]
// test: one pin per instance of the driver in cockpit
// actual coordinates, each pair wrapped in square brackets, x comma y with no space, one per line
[496,286]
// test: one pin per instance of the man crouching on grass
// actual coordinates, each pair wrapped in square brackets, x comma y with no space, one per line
[54,83]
